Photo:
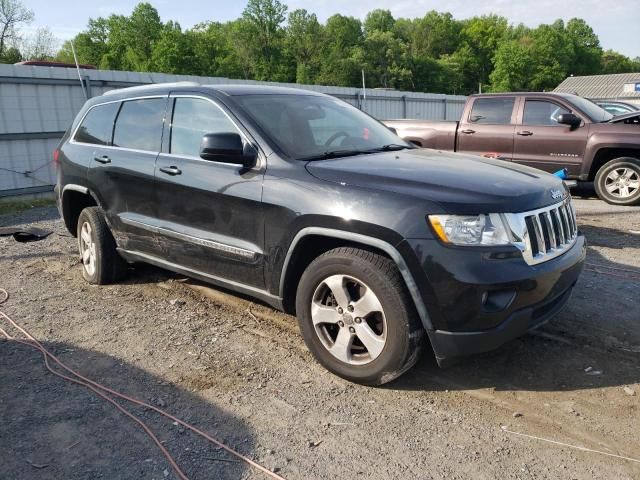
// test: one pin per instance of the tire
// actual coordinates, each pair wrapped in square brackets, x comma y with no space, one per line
[618,181]
[373,348]
[101,263]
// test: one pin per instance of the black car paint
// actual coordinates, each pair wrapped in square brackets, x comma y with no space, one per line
[384,197]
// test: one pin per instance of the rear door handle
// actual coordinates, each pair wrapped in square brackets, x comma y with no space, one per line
[525,133]
[172,170]
[102,159]
[468,131]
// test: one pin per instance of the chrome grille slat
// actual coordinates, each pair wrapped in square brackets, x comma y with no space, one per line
[565,223]
[572,220]
[559,230]
[552,234]
[544,233]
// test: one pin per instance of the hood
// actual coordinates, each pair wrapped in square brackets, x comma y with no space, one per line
[458,183]
[623,117]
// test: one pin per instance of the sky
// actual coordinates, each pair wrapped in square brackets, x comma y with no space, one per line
[616,22]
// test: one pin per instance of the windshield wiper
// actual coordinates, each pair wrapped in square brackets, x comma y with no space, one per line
[335,154]
[391,147]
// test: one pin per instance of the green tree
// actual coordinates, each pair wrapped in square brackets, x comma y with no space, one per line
[587,53]
[513,64]
[436,34]
[379,20]
[339,65]
[261,33]
[91,45]
[614,62]
[481,39]
[304,33]
[551,56]
[384,56]
[173,52]
[10,55]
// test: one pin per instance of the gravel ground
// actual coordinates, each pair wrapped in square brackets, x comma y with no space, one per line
[240,371]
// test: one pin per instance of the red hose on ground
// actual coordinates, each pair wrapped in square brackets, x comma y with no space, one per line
[100,390]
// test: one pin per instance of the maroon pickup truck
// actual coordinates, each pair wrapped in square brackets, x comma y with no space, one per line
[549,131]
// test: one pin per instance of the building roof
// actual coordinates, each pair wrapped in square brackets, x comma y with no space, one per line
[602,86]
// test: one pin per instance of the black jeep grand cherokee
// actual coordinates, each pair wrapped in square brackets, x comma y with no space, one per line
[308,204]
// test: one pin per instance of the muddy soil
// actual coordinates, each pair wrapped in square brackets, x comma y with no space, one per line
[240,371]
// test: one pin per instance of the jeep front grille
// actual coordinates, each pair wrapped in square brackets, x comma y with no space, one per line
[545,233]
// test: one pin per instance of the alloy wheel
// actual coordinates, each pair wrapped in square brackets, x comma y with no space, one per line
[349,319]
[622,182]
[87,248]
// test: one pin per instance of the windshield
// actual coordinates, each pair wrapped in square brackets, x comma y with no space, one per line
[595,112]
[310,127]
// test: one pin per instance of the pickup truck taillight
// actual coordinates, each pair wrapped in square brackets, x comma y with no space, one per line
[56,156]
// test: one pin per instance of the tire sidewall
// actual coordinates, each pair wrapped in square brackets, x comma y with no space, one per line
[395,351]
[623,162]
[87,217]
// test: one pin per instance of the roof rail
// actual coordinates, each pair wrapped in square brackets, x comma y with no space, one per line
[151,85]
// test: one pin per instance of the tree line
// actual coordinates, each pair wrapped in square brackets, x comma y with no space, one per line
[433,53]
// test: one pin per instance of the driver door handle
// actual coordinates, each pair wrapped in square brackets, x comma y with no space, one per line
[468,131]
[525,133]
[102,159]
[172,170]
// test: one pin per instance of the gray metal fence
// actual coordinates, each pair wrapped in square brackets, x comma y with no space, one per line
[37,104]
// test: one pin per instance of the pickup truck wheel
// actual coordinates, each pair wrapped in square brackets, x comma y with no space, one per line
[356,316]
[618,181]
[101,263]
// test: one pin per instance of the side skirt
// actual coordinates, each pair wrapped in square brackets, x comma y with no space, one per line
[263,295]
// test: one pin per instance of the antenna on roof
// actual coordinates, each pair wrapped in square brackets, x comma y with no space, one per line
[75,58]
[364,92]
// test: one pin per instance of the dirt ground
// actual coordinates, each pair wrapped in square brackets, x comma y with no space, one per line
[241,372]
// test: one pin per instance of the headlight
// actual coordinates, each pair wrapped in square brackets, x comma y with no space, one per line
[484,229]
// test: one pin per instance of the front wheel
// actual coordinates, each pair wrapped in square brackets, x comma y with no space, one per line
[618,181]
[356,316]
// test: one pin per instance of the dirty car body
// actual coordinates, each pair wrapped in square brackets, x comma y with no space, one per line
[255,227]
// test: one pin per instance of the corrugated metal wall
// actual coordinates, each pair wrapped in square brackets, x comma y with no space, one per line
[37,104]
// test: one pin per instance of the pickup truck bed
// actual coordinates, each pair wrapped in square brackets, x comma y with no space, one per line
[424,133]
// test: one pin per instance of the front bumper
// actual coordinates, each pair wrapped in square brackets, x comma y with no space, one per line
[478,300]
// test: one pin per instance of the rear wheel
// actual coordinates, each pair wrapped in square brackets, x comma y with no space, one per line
[101,263]
[618,181]
[356,316]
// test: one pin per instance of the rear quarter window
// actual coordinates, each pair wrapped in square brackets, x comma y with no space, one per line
[97,125]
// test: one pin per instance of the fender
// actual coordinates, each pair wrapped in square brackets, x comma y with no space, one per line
[75,188]
[366,240]
[608,140]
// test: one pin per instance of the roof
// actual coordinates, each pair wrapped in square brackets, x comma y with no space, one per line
[512,94]
[260,90]
[231,89]
[601,86]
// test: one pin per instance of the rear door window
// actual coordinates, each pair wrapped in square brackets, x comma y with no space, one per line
[542,112]
[192,119]
[492,111]
[139,124]
[97,125]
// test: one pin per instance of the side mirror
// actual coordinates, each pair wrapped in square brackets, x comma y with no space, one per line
[227,148]
[393,130]
[569,119]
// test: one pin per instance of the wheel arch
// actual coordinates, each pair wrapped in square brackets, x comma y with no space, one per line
[606,154]
[74,199]
[310,242]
